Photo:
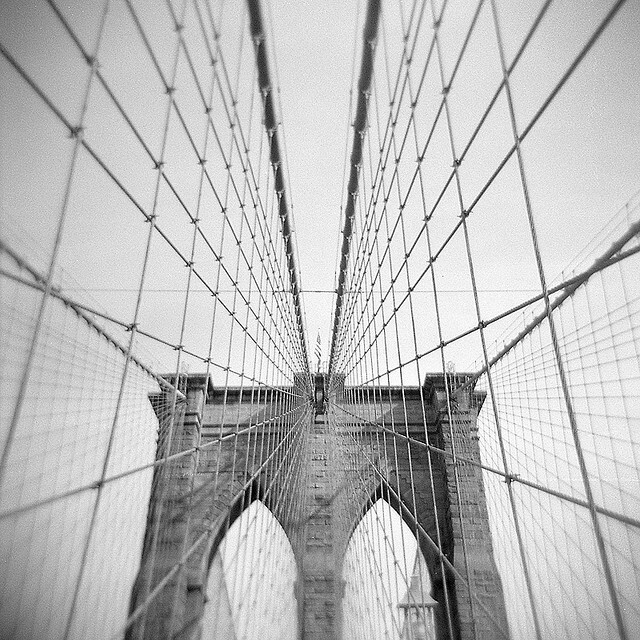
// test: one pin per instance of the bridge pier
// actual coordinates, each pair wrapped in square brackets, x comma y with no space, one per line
[219,464]
[336,468]
[322,582]
[435,489]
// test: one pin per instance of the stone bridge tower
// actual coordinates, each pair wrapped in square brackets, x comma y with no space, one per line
[192,496]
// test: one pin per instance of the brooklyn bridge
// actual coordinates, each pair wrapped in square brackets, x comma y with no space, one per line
[319,321]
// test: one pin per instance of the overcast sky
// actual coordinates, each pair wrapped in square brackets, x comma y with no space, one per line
[581,158]
[582,163]
[315,44]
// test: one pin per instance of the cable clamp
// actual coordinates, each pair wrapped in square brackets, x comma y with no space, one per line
[92,61]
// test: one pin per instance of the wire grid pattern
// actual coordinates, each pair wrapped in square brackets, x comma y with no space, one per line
[459,212]
[165,232]
[144,236]
[374,589]
[237,586]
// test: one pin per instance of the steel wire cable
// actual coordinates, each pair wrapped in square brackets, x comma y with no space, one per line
[539,463]
[126,471]
[268,339]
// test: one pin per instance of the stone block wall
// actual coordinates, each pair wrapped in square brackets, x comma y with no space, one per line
[224,464]
[443,493]
[474,557]
[196,497]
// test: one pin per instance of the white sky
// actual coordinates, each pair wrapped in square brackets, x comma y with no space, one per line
[583,163]
[314,45]
[582,159]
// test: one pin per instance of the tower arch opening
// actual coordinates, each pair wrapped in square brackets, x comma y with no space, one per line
[250,587]
[387,586]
